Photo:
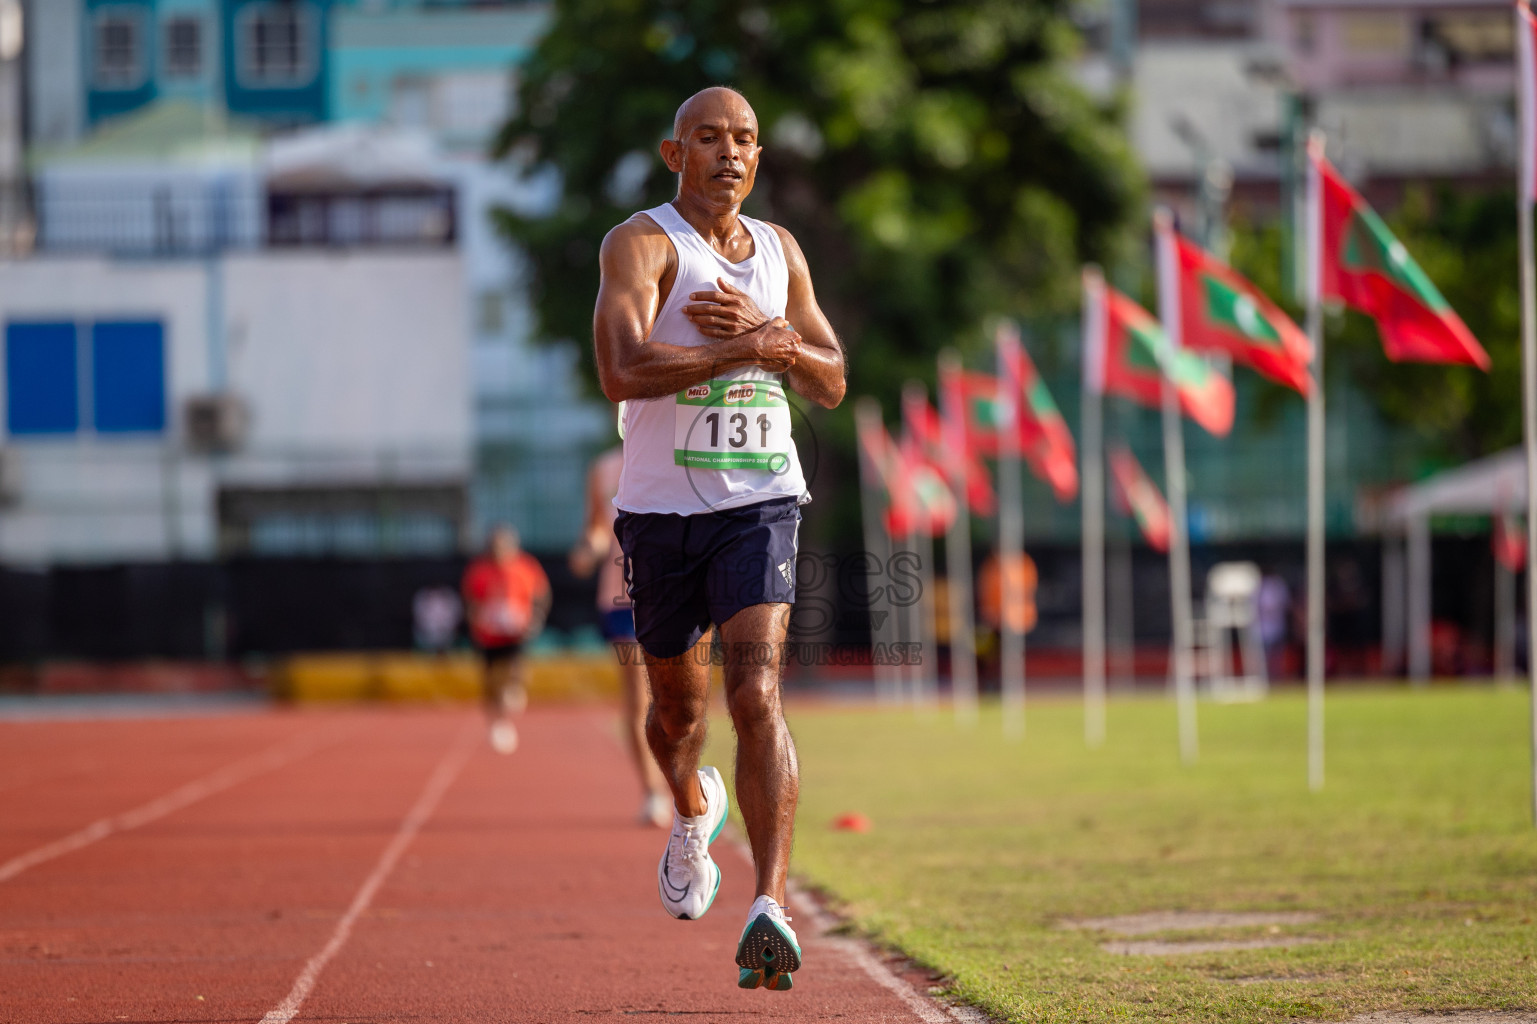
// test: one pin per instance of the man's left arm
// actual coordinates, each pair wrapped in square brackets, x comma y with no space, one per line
[820,372]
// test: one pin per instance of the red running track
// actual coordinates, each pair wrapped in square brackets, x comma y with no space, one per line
[366,865]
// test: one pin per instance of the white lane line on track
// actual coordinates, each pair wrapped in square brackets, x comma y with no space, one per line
[183,796]
[926,1009]
[449,766]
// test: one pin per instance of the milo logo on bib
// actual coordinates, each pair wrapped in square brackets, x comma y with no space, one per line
[732,424]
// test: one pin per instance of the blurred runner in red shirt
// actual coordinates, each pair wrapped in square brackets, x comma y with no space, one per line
[507,596]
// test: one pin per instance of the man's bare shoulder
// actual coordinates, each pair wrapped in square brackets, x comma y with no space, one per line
[794,258]
[638,239]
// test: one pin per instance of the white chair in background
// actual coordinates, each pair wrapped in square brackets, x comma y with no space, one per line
[1232,606]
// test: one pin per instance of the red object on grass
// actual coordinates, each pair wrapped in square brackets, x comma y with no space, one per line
[852,822]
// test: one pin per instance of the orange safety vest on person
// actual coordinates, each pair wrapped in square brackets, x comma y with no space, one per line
[501,597]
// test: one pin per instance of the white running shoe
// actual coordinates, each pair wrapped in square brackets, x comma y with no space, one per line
[504,736]
[768,952]
[687,879]
[655,811]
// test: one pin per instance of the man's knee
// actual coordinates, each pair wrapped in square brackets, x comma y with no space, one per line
[677,716]
[754,699]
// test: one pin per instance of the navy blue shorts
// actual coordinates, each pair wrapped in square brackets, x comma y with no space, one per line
[618,625]
[685,572]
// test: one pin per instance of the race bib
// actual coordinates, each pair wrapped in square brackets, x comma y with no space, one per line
[733,424]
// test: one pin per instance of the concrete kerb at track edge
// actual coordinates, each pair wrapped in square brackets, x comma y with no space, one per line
[807,906]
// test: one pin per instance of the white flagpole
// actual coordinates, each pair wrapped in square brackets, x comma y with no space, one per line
[928,624]
[1524,197]
[1011,642]
[912,623]
[1504,622]
[926,611]
[1174,470]
[867,415]
[1092,429]
[1315,539]
[963,648]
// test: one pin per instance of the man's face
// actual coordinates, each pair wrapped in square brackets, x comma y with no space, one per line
[504,545]
[717,149]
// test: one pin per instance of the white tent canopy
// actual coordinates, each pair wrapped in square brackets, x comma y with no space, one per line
[1487,486]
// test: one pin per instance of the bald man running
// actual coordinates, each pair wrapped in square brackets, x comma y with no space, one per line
[693,332]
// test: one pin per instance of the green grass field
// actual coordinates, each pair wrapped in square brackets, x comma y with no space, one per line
[1419,854]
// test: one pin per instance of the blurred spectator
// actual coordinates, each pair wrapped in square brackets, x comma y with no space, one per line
[508,597]
[1022,574]
[435,615]
[1274,604]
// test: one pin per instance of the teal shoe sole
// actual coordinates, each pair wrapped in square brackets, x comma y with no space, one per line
[763,979]
[768,950]
[726,800]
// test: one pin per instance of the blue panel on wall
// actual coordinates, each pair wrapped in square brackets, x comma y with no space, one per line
[41,378]
[128,376]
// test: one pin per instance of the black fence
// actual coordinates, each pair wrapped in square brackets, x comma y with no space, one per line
[235,609]
[267,606]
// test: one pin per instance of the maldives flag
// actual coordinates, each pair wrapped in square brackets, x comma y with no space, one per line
[1125,351]
[918,499]
[924,433]
[1209,307]
[976,395]
[1137,494]
[1357,261]
[1044,440]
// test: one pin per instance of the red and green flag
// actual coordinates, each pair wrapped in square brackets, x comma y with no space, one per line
[924,435]
[1357,261]
[976,395]
[1125,351]
[1049,454]
[1208,307]
[917,498]
[1136,494]
[1045,443]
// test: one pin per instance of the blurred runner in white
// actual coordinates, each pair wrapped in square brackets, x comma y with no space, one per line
[598,548]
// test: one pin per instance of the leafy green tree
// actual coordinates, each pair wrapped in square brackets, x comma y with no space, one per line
[935,160]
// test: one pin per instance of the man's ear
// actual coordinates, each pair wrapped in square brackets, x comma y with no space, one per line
[672,155]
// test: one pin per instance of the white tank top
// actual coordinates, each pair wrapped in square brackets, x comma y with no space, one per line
[725,442]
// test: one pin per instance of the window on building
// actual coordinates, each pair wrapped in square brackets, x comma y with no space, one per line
[122,386]
[366,520]
[277,45]
[406,216]
[183,47]
[42,380]
[117,53]
[1376,33]
[128,377]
